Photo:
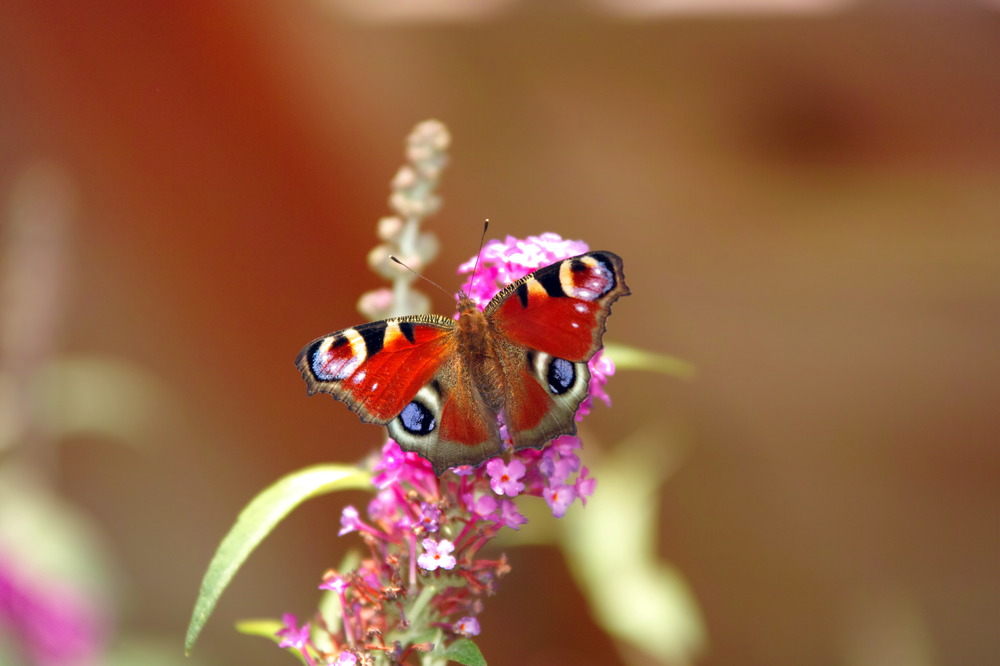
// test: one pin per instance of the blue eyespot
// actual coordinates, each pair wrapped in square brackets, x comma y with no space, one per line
[416,419]
[561,376]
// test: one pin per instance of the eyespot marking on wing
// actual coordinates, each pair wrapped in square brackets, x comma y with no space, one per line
[586,278]
[561,376]
[328,363]
[417,419]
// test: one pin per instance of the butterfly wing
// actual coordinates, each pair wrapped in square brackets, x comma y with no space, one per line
[378,368]
[547,325]
[404,373]
[447,421]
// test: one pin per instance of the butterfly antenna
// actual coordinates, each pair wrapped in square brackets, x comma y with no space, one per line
[482,241]
[396,259]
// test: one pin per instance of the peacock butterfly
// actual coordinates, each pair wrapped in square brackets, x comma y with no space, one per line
[440,384]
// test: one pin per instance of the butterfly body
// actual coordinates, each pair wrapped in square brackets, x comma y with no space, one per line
[439,384]
[475,345]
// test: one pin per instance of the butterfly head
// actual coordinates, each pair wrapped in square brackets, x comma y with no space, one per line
[471,319]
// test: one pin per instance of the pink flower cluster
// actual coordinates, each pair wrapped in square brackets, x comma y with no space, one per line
[424,533]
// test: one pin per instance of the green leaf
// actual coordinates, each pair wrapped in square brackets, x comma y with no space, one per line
[630,358]
[649,604]
[464,651]
[257,520]
[263,628]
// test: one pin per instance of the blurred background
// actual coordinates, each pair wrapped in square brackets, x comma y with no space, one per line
[806,194]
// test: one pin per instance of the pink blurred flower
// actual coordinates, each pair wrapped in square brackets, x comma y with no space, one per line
[467,626]
[54,623]
[559,499]
[292,635]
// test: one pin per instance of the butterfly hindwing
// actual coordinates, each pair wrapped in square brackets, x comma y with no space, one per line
[447,422]
[378,368]
[542,401]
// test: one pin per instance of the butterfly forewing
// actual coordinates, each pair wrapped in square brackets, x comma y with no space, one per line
[561,309]
[378,368]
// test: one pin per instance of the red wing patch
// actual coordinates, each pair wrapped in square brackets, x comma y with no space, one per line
[462,423]
[527,406]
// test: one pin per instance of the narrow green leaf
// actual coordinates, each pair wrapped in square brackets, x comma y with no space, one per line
[263,628]
[464,651]
[257,520]
[631,358]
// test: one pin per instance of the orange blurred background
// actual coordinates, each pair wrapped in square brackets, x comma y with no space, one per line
[808,205]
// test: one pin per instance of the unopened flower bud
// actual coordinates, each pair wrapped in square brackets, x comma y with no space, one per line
[404,179]
[389,228]
[376,304]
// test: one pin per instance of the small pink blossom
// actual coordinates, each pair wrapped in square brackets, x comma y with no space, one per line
[485,506]
[557,464]
[430,514]
[510,516]
[584,485]
[506,479]
[384,505]
[559,499]
[291,634]
[397,465]
[437,555]
[350,520]
[389,465]
[346,659]
[601,367]
[334,584]
[467,626]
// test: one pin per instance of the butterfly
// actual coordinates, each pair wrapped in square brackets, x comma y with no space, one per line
[439,384]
